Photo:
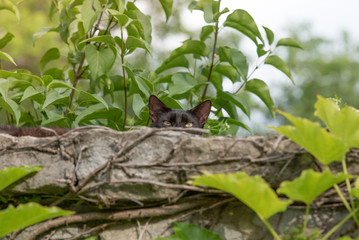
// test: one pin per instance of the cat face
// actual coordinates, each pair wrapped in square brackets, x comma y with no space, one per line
[163,116]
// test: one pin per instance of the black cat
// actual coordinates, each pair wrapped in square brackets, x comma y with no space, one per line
[163,116]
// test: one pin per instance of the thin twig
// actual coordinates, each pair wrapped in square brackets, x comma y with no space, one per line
[213,55]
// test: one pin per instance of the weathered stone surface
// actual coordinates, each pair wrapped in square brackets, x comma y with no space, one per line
[121,171]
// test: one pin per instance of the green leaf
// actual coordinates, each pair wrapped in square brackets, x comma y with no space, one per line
[270,35]
[132,43]
[6,39]
[92,98]
[51,54]
[181,83]
[42,32]
[20,75]
[8,5]
[236,58]
[325,146]
[137,105]
[235,100]
[243,22]
[190,47]
[309,185]
[55,97]
[7,57]
[98,111]
[341,122]
[33,94]
[260,88]
[100,61]
[184,231]
[252,191]
[12,107]
[89,13]
[167,7]
[289,42]
[229,71]
[171,102]
[24,215]
[355,190]
[278,63]
[109,40]
[180,61]
[59,84]
[9,175]
[206,31]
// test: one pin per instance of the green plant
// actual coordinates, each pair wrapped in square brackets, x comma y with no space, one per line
[101,84]
[185,231]
[326,146]
[24,215]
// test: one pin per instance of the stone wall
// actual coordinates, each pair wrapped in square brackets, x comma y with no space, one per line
[132,185]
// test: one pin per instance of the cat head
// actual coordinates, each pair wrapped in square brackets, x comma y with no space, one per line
[163,116]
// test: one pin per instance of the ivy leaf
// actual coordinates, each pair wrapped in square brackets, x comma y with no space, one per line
[7,57]
[243,22]
[6,39]
[270,35]
[260,88]
[167,7]
[184,231]
[341,122]
[51,54]
[325,146]
[100,61]
[236,58]
[289,42]
[309,185]
[24,215]
[278,63]
[9,175]
[246,189]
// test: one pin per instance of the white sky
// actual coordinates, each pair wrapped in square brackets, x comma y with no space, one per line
[328,17]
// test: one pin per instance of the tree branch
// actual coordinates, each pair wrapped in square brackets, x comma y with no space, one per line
[116,216]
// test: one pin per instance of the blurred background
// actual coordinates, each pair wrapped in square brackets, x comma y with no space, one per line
[328,65]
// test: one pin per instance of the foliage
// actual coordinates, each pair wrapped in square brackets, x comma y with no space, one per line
[185,231]
[100,85]
[326,146]
[327,67]
[24,215]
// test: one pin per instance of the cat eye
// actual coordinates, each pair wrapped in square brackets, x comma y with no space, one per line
[187,125]
[167,123]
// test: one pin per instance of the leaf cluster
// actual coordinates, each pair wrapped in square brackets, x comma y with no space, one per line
[100,85]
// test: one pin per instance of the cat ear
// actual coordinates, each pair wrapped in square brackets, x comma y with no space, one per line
[156,106]
[202,111]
